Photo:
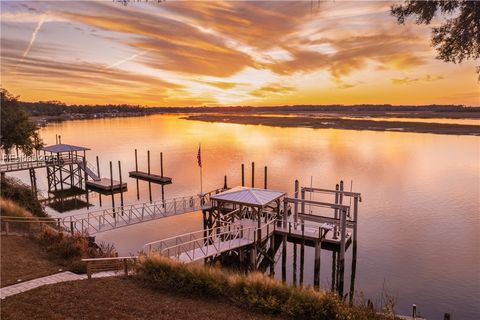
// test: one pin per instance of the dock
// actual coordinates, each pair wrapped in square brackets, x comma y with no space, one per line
[106,184]
[150,177]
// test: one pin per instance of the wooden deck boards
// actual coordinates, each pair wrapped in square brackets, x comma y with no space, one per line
[105,184]
[211,250]
[155,178]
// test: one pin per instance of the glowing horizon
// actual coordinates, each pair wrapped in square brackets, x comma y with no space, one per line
[224,53]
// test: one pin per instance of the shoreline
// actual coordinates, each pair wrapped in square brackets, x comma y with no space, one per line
[338,123]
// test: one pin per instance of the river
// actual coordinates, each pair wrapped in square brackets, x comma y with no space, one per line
[419,229]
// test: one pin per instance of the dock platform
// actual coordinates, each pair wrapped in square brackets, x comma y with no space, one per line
[105,184]
[150,177]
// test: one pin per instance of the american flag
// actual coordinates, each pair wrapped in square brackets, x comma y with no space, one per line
[199,157]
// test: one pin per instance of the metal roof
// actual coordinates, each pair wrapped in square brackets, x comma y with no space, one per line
[59,148]
[248,196]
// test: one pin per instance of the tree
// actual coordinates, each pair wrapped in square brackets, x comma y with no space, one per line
[458,37]
[16,128]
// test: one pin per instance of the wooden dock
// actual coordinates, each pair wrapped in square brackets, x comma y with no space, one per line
[105,184]
[150,177]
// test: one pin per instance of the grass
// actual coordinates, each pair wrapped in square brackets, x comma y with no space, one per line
[15,190]
[63,249]
[253,291]
[116,298]
[23,258]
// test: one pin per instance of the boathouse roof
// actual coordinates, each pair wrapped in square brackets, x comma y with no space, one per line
[59,148]
[248,196]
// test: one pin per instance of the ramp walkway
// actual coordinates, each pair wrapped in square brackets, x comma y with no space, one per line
[202,244]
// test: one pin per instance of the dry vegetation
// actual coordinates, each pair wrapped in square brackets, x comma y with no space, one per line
[23,259]
[116,298]
[254,291]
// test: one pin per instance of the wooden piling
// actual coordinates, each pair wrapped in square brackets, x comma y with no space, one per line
[136,161]
[295,264]
[265,179]
[335,229]
[243,175]
[98,167]
[225,182]
[121,183]
[316,270]
[253,174]
[148,161]
[295,205]
[111,188]
[284,258]
[161,164]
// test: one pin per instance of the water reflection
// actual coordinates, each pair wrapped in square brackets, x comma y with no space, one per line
[419,228]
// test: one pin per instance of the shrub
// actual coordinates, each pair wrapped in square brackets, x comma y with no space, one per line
[254,290]
[20,193]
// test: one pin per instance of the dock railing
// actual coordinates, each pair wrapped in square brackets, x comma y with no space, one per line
[197,245]
[112,218]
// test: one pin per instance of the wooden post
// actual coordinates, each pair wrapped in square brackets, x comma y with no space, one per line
[341,262]
[121,185]
[148,161]
[243,175]
[316,272]
[284,258]
[161,164]
[56,139]
[355,218]
[335,229]
[446,316]
[125,267]
[294,264]
[111,189]
[61,177]
[302,255]
[59,139]
[253,174]
[414,311]
[98,167]
[89,270]
[295,205]
[285,214]
[111,177]
[302,195]
[136,161]
[265,179]
[225,182]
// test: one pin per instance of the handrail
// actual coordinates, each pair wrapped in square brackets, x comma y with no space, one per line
[114,217]
[228,236]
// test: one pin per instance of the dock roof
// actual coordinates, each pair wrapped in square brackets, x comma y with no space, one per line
[248,196]
[59,148]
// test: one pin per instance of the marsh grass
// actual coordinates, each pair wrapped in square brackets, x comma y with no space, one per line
[253,290]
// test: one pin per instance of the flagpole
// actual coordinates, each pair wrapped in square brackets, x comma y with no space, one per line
[201,165]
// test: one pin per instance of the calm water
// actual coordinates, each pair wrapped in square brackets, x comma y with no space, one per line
[419,229]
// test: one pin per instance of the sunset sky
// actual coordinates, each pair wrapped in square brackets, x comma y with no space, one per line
[224,53]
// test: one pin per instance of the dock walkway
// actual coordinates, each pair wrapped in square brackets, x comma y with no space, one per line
[121,216]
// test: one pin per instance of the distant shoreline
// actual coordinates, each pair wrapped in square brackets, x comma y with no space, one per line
[345,124]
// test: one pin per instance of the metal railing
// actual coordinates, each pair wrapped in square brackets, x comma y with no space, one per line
[38,163]
[120,216]
[204,243]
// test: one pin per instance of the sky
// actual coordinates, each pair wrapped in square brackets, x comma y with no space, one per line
[225,53]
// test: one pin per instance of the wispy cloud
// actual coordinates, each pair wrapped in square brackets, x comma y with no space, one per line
[118,63]
[32,40]
[409,80]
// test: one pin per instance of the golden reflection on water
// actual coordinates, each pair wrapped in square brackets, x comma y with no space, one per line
[419,223]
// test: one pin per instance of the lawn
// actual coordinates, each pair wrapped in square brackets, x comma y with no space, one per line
[116,298]
[23,258]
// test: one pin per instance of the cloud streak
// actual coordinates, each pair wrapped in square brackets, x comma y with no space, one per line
[32,40]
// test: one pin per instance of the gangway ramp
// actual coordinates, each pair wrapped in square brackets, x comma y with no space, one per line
[195,246]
